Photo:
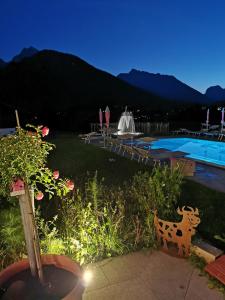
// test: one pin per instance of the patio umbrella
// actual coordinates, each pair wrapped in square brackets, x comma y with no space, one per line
[100,117]
[207,118]
[222,119]
[107,116]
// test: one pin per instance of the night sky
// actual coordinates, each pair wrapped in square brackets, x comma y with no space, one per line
[184,38]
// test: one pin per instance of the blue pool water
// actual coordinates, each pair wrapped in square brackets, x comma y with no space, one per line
[208,151]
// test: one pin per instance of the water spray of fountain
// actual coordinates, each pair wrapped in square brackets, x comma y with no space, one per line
[126,124]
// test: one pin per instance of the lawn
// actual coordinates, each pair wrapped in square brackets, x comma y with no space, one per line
[75,159]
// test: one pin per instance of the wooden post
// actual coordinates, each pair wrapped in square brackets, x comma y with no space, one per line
[34,233]
[30,231]
[17,119]
[28,237]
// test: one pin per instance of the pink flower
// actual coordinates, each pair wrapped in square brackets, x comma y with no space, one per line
[45,131]
[39,196]
[70,185]
[17,185]
[56,174]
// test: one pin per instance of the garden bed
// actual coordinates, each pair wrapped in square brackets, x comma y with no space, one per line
[74,159]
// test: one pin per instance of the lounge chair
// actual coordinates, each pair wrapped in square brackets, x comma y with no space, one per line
[114,143]
[214,127]
[221,134]
[142,154]
[127,149]
[147,139]
[182,131]
[90,137]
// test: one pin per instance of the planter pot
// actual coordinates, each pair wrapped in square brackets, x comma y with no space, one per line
[63,279]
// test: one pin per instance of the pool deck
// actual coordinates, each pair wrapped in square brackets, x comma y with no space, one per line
[147,275]
[206,174]
[210,176]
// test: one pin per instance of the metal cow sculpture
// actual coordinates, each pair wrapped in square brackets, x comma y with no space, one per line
[179,233]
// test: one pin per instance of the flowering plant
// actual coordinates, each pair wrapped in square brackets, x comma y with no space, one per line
[24,156]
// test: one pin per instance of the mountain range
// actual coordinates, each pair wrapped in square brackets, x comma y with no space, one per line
[2,63]
[170,87]
[66,91]
[62,88]
[166,86]
[215,93]
[26,52]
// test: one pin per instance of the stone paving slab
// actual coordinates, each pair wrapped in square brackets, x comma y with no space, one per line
[210,176]
[148,275]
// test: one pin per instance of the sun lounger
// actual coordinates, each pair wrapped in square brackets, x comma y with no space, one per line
[114,143]
[142,154]
[90,137]
[147,139]
[182,131]
[128,149]
[221,136]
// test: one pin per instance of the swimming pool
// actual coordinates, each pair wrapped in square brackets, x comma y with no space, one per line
[203,150]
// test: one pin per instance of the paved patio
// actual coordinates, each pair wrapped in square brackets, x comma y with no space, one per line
[210,176]
[148,275]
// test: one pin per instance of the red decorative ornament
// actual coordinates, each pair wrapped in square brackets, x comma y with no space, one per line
[45,131]
[70,185]
[39,196]
[17,185]
[56,174]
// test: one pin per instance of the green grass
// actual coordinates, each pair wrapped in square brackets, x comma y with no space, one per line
[74,159]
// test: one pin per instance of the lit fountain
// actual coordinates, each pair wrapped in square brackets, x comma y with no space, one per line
[126,124]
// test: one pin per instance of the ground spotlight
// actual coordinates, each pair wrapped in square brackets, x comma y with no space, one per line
[87,277]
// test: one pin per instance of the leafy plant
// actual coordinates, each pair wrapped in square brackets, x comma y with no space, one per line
[24,155]
[165,185]
[23,159]
[221,238]
[12,244]
[50,241]
[91,228]
[159,190]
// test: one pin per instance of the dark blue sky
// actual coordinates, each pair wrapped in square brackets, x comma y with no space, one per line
[185,38]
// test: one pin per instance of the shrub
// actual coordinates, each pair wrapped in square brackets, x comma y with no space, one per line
[100,221]
[90,227]
[146,193]
[23,158]
[12,244]
[24,155]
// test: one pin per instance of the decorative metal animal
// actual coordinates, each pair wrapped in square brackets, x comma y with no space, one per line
[179,233]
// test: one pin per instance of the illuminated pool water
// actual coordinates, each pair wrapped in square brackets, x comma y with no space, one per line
[208,151]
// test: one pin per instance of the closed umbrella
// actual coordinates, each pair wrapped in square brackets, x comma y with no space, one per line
[107,116]
[207,118]
[100,117]
[222,119]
